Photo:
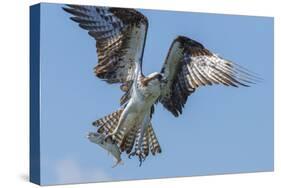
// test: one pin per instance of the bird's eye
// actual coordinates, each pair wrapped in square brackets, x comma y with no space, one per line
[160,76]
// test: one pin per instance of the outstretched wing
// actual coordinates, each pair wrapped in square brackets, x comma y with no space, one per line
[189,65]
[120,35]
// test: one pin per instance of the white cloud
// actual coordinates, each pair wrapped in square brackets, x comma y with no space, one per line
[69,171]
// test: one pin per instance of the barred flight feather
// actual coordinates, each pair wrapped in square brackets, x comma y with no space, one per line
[190,65]
[120,35]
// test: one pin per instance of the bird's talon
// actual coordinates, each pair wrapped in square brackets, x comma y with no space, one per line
[131,154]
[140,155]
[140,159]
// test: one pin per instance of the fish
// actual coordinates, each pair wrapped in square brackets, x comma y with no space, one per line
[107,144]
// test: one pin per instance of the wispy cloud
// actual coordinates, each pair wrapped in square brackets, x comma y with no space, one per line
[69,171]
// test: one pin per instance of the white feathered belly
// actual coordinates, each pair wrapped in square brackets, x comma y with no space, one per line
[139,107]
[136,111]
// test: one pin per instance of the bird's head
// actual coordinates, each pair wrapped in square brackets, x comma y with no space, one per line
[156,76]
[153,79]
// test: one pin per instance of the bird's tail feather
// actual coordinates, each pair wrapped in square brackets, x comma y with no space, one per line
[129,140]
[149,142]
[153,141]
[126,142]
[107,124]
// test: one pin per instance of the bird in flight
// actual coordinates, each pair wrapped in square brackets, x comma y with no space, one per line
[120,35]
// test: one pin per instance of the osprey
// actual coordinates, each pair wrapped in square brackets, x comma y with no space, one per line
[120,35]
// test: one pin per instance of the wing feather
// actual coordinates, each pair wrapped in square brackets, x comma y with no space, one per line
[190,65]
[120,35]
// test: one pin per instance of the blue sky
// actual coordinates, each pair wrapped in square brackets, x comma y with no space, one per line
[222,129]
